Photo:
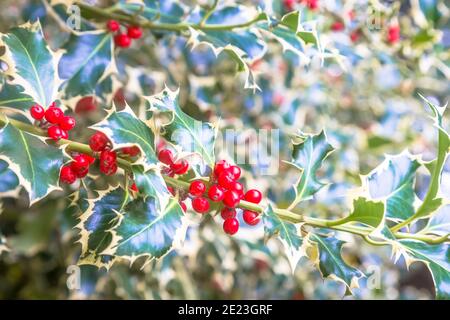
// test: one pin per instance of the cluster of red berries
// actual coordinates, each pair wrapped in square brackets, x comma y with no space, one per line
[53,119]
[311,4]
[393,34]
[121,39]
[78,168]
[178,167]
[99,142]
[227,189]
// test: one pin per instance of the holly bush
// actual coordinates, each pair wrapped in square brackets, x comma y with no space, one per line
[224,149]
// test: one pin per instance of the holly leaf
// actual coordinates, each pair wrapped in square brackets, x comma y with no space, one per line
[365,211]
[151,183]
[125,129]
[287,233]
[393,181]
[167,11]
[9,183]
[330,262]
[190,134]
[145,231]
[97,220]
[436,257]
[31,63]
[308,156]
[87,59]
[13,97]
[35,163]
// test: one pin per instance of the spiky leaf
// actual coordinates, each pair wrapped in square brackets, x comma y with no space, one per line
[439,222]
[287,232]
[393,181]
[31,63]
[143,230]
[87,58]
[331,264]
[13,97]
[151,183]
[125,129]
[308,156]
[35,163]
[190,134]
[367,212]
[9,183]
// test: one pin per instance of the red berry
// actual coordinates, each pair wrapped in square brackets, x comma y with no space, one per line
[131,151]
[220,167]
[108,158]
[289,4]
[313,4]
[253,196]
[238,187]
[393,34]
[81,161]
[226,179]
[183,206]
[200,204]
[90,159]
[122,40]
[54,115]
[108,169]
[86,104]
[231,199]
[67,123]
[67,175]
[64,134]
[98,141]
[337,26]
[134,32]
[113,25]
[231,226]
[165,156]
[37,112]
[80,172]
[216,193]
[54,132]
[251,217]
[197,188]
[180,167]
[228,213]
[134,187]
[354,36]
[236,171]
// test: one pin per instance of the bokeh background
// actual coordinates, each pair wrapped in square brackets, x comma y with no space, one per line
[366,97]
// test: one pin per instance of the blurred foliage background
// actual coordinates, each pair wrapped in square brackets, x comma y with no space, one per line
[366,99]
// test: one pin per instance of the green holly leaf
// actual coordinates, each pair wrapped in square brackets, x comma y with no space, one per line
[190,134]
[330,262]
[31,63]
[96,222]
[286,232]
[155,10]
[436,257]
[9,183]
[365,211]
[307,156]
[151,183]
[13,97]
[35,163]
[393,181]
[87,59]
[145,231]
[125,129]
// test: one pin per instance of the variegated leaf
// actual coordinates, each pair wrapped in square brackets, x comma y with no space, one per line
[191,135]
[13,97]
[35,163]
[287,232]
[9,183]
[167,11]
[331,264]
[125,129]
[31,63]
[439,222]
[151,183]
[307,156]
[87,59]
[145,231]
[393,181]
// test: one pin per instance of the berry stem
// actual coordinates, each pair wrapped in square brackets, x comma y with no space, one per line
[284,214]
